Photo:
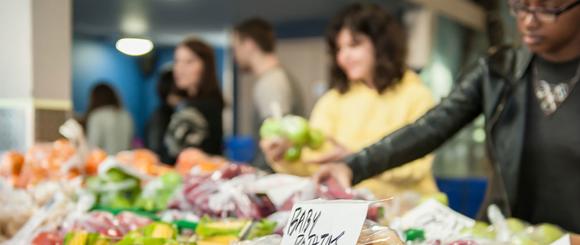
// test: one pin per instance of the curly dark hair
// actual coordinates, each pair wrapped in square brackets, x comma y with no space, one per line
[387,36]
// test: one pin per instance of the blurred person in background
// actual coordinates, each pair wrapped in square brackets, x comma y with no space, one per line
[169,97]
[372,93]
[530,99]
[197,121]
[254,46]
[107,124]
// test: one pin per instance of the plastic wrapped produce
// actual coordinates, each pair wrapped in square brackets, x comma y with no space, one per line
[223,194]
[116,186]
[109,225]
[158,192]
[17,207]
[374,234]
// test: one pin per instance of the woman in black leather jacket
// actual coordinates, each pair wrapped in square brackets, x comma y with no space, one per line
[532,114]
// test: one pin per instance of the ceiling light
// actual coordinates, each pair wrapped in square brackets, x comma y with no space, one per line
[134,46]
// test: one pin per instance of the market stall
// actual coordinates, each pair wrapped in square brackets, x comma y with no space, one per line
[65,192]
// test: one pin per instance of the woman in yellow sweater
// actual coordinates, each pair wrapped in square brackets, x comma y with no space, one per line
[372,94]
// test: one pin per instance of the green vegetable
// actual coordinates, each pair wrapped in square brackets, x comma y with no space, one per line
[157,233]
[115,200]
[208,228]
[85,238]
[157,194]
[116,175]
[147,241]
[171,179]
[262,228]
[114,189]
[160,230]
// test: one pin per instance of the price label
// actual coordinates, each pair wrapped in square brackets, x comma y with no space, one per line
[321,222]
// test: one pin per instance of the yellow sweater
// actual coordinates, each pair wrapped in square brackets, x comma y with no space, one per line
[361,117]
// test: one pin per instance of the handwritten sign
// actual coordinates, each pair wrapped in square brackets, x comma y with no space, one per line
[437,220]
[319,222]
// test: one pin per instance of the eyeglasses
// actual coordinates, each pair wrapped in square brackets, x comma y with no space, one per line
[521,11]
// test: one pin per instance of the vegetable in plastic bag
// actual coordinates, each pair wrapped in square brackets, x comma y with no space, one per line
[157,193]
[374,234]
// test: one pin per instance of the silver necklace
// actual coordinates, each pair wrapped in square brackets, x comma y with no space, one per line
[551,96]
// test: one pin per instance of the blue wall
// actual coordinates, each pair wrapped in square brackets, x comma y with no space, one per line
[95,60]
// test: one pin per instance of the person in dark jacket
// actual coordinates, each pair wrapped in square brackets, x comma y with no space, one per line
[531,103]
[169,97]
[197,121]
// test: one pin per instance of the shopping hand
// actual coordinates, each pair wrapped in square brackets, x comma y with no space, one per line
[337,171]
[274,149]
[337,154]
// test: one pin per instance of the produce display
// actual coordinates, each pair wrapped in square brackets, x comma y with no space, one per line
[156,194]
[57,194]
[518,232]
[115,188]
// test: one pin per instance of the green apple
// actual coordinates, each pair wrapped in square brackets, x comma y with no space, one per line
[293,154]
[270,128]
[546,233]
[515,225]
[315,139]
[522,239]
[480,230]
[296,130]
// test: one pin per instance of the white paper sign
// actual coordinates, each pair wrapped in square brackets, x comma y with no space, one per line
[437,220]
[320,222]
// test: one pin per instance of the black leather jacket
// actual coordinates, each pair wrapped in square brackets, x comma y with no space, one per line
[496,87]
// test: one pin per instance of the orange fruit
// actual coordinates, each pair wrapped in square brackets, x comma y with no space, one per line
[95,158]
[11,163]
